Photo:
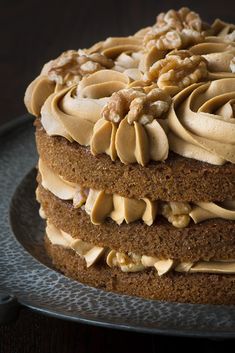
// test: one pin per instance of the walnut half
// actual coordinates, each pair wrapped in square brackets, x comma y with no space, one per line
[167,39]
[177,213]
[72,65]
[183,18]
[179,69]
[175,30]
[137,105]
[128,262]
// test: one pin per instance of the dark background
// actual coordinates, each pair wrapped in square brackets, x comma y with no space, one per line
[34,31]
[31,33]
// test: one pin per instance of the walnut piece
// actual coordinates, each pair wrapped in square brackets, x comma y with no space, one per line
[137,105]
[175,30]
[72,65]
[179,68]
[177,213]
[184,18]
[232,65]
[222,29]
[128,262]
[230,37]
[168,39]
[80,197]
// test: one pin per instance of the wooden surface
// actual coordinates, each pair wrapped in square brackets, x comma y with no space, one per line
[32,32]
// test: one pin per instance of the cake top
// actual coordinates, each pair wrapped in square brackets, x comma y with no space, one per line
[170,86]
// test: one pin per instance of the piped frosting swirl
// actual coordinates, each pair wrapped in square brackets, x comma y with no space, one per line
[73,111]
[202,124]
[130,128]
[102,112]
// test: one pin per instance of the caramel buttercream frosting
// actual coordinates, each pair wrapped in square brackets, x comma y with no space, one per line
[201,122]
[219,53]
[114,96]
[100,205]
[131,262]
[66,70]
[73,111]
[223,29]
[112,47]
[130,128]
[102,112]
[87,251]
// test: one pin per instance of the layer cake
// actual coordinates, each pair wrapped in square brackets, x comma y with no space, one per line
[136,175]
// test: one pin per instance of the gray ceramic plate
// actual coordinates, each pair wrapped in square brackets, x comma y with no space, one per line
[26,271]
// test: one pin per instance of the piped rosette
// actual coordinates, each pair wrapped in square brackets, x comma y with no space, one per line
[66,70]
[112,47]
[73,111]
[201,122]
[180,50]
[223,29]
[106,112]
[219,53]
[131,127]
[126,52]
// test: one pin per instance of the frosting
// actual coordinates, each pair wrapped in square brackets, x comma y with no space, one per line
[88,252]
[202,124]
[129,63]
[66,70]
[219,54]
[75,93]
[73,111]
[76,114]
[222,29]
[112,47]
[37,93]
[131,262]
[207,210]
[130,128]
[61,188]
[100,205]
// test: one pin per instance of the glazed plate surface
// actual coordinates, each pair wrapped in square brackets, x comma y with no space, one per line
[26,271]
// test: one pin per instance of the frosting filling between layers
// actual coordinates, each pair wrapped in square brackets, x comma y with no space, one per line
[130,262]
[100,205]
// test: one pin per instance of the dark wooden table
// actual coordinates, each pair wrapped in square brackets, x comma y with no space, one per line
[31,33]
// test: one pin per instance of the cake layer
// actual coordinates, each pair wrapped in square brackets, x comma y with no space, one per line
[177,179]
[187,288]
[214,238]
